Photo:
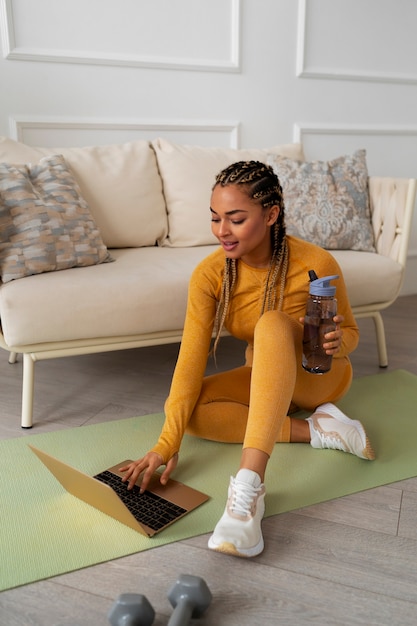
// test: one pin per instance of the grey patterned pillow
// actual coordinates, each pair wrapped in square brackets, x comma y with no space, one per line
[327,203]
[45,224]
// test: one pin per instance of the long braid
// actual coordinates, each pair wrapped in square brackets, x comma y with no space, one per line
[229,280]
[278,266]
[261,184]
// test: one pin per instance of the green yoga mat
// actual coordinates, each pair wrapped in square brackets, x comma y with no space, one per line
[45,531]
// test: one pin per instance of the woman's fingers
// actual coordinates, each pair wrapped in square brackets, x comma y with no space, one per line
[148,464]
[171,465]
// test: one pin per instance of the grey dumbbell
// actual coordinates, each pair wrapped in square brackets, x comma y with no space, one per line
[190,597]
[131,609]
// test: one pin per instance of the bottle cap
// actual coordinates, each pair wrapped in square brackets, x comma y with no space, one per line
[322,286]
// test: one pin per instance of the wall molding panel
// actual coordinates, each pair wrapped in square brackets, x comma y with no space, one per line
[305,68]
[303,129]
[390,147]
[191,60]
[94,130]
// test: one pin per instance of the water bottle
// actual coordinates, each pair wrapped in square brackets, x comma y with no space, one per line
[321,308]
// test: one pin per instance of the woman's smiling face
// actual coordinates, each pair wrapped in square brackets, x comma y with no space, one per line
[242,225]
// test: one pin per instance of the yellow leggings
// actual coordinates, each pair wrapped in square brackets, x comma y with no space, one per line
[249,405]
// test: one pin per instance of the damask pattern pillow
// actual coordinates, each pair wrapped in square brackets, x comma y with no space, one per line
[45,224]
[327,202]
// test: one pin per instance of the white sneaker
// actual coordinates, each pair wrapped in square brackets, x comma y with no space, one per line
[238,532]
[330,428]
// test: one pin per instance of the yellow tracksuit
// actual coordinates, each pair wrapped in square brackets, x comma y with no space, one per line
[250,404]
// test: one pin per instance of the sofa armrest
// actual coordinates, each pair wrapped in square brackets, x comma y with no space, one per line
[392,205]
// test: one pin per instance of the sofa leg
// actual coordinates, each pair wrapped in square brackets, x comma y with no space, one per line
[27,390]
[380,339]
[12,357]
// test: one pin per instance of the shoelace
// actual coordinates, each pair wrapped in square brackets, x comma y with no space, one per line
[332,443]
[243,496]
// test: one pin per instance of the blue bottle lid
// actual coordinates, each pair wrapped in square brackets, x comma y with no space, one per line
[322,286]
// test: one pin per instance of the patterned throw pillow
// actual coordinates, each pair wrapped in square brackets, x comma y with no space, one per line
[45,224]
[327,203]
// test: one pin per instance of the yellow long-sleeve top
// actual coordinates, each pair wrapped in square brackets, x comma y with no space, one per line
[244,312]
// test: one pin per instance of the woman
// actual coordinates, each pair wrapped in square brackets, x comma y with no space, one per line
[256,286]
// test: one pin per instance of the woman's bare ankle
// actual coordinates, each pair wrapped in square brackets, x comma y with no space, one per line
[300,431]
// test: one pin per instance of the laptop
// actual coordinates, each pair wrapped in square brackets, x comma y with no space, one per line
[148,513]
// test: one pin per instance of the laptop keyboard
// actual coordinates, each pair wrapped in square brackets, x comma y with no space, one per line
[147,508]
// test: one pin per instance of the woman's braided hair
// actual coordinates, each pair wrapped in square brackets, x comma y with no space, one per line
[260,183]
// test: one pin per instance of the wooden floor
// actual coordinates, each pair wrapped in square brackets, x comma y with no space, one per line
[348,561]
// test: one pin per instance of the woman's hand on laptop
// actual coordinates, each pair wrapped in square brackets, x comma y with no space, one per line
[147,464]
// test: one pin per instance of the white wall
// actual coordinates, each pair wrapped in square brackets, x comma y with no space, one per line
[337,74]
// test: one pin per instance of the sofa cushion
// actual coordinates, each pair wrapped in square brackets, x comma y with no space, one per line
[120,183]
[45,223]
[134,294]
[188,174]
[143,291]
[327,203]
[370,278]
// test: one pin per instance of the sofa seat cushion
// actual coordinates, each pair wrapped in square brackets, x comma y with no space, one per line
[370,278]
[143,291]
[120,183]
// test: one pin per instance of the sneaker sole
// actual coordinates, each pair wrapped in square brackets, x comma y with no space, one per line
[368,452]
[229,548]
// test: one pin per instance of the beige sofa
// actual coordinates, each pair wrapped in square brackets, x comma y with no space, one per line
[149,201]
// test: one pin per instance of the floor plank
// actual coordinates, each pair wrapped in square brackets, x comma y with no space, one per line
[408,516]
[376,510]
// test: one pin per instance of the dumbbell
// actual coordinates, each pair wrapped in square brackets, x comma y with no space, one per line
[131,609]
[190,597]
